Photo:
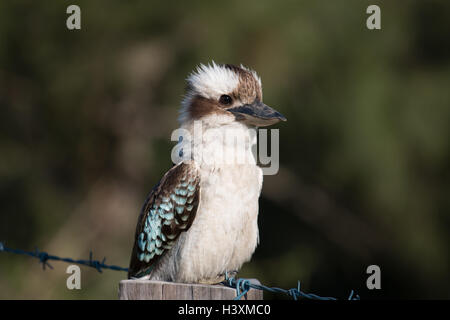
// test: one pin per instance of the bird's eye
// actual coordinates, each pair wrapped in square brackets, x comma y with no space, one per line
[225,99]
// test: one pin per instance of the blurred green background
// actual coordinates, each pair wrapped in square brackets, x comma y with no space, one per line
[86,118]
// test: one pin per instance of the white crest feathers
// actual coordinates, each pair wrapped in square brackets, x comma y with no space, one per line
[213,80]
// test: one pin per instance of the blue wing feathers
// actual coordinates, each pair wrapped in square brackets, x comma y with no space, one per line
[169,210]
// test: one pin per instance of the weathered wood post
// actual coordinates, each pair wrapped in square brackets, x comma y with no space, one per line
[160,290]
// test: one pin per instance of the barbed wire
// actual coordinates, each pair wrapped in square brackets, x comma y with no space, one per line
[241,285]
[44,257]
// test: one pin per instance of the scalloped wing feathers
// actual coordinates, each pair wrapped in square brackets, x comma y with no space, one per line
[169,210]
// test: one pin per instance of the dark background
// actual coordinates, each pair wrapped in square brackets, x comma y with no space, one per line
[86,118]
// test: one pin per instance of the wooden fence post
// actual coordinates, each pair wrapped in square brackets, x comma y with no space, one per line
[160,290]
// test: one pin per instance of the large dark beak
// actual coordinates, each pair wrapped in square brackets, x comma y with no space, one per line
[257,114]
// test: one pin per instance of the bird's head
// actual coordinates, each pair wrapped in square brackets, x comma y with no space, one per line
[226,93]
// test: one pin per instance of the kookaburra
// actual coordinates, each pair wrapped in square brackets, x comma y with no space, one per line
[200,221]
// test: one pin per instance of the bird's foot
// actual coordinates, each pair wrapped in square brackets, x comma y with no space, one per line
[215,280]
[231,274]
[220,278]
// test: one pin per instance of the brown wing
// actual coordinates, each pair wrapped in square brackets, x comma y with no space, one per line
[169,210]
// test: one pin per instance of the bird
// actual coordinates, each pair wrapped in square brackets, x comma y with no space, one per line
[199,223]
